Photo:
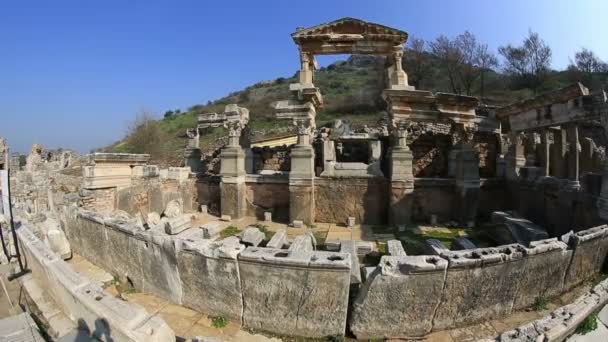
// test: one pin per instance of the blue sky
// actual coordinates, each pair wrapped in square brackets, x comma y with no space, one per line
[73,74]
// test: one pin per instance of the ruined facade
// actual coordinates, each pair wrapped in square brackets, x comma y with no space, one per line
[525,168]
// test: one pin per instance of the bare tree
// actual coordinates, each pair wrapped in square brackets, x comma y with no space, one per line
[530,62]
[450,56]
[466,44]
[485,60]
[416,61]
[144,135]
[586,62]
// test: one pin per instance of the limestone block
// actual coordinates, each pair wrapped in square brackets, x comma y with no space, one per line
[153,218]
[204,209]
[350,222]
[303,243]
[297,224]
[278,240]
[481,284]
[435,247]
[57,241]
[210,277]
[332,245]
[267,216]
[590,248]
[302,293]
[252,237]
[364,247]
[178,173]
[546,263]
[177,225]
[399,282]
[395,248]
[226,218]
[461,243]
[173,209]
[350,247]
[211,230]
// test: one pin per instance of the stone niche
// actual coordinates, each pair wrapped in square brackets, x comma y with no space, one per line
[352,155]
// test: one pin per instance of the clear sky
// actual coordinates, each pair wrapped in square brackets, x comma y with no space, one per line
[74,73]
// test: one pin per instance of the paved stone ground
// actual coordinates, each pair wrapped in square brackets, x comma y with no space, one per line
[600,334]
[9,306]
[19,328]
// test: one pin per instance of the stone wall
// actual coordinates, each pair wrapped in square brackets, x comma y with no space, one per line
[84,301]
[546,203]
[209,194]
[365,199]
[221,278]
[268,195]
[411,296]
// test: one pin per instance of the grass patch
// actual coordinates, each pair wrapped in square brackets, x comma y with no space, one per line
[415,243]
[588,325]
[229,231]
[540,303]
[219,322]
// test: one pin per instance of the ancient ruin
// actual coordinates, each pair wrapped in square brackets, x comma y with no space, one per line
[317,237]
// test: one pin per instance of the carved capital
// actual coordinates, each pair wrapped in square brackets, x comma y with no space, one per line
[304,126]
[234,128]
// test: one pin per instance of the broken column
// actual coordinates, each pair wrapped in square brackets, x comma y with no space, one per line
[515,155]
[402,177]
[232,168]
[192,153]
[467,177]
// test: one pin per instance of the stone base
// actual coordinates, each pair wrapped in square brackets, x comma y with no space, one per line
[402,199]
[192,157]
[301,201]
[233,197]
[232,161]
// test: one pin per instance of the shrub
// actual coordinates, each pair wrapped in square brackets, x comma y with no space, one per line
[588,325]
[540,303]
[229,231]
[218,322]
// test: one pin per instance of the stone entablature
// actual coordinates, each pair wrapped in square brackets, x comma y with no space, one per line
[112,170]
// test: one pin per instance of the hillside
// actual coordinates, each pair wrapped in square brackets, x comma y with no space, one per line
[351,90]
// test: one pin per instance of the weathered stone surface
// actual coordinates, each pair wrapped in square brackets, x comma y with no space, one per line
[545,267]
[480,284]
[399,298]
[395,248]
[211,230]
[589,254]
[435,247]
[178,224]
[58,243]
[173,209]
[350,247]
[226,218]
[303,243]
[252,236]
[298,224]
[461,243]
[303,293]
[278,240]
[210,277]
[153,218]
[522,230]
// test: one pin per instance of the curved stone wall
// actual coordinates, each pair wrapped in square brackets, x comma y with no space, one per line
[306,293]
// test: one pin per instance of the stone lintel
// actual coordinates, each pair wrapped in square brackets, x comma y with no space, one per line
[127,158]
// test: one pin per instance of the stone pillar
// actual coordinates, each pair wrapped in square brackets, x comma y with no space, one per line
[398,77]
[530,148]
[559,150]
[515,155]
[307,66]
[573,156]
[545,155]
[232,172]
[500,157]
[192,158]
[302,175]
[402,177]
[602,203]
[467,178]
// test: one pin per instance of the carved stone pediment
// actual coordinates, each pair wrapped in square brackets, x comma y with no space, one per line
[349,35]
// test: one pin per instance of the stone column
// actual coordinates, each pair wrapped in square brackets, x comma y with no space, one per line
[402,177]
[545,154]
[559,150]
[573,156]
[515,155]
[467,178]
[302,175]
[500,156]
[232,172]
